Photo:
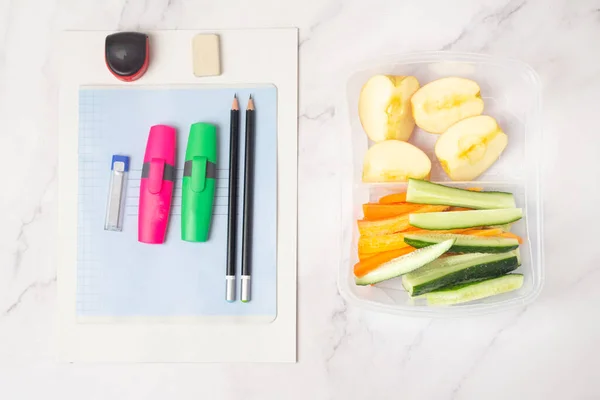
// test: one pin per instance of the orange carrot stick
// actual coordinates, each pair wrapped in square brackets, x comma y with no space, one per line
[483,232]
[395,224]
[367,265]
[428,232]
[512,235]
[379,211]
[371,245]
[368,246]
[393,198]
[384,226]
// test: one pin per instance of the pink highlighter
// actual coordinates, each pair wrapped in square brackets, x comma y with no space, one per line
[156,188]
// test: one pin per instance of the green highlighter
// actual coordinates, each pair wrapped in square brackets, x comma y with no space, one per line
[198,189]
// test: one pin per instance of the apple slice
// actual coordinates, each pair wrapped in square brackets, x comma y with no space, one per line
[395,161]
[469,147]
[442,103]
[384,107]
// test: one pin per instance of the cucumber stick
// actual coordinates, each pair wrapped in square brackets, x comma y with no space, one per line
[464,243]
[474,290]
[459,269]
[405,264]
[424,192]
[465,219]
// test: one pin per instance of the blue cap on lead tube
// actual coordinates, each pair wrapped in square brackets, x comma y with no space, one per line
[123,159]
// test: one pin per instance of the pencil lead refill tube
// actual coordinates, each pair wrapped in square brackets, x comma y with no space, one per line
[116,193]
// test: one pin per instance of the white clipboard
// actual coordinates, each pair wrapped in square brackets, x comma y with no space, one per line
[248,57]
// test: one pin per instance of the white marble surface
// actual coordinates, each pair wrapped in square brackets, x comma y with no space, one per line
[548,350]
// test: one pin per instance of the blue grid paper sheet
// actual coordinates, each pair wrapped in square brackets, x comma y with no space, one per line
[119,277]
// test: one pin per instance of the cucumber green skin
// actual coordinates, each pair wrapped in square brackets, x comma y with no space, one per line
[463,248]
[425,192]
[464,219]
[489,287]
[471,274]
[405,264]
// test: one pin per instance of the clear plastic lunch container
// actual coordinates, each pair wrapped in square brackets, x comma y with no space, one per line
[512,94]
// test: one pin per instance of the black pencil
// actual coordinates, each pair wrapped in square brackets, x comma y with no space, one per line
[234,138]
[248,203]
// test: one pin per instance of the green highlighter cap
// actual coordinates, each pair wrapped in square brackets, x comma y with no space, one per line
[198,189]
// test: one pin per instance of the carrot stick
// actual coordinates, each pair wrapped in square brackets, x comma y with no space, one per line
[384,226]
[379,211]
[393,198]
[512,235]
[483,232]
[367,265]
[427,232]
[401,197]
[368,246]
[395,224]
[371,245]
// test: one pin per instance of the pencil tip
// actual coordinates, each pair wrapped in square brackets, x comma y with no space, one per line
[235,95]
[235,105]
[251,103]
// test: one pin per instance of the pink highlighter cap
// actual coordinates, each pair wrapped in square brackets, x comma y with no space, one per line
[156,187]
[161,144]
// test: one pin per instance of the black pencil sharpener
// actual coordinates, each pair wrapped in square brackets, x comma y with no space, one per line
[127,55]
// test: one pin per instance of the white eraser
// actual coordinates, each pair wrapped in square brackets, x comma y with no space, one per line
[205,54]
